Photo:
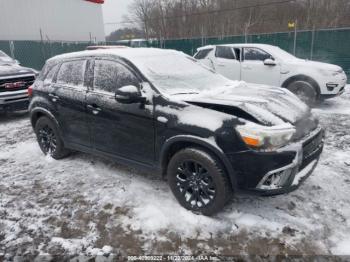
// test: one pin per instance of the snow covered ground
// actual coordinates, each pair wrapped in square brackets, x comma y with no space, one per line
[84,205]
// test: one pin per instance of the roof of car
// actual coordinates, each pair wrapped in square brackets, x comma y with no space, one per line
[235,45]
[127,53]
[96,47]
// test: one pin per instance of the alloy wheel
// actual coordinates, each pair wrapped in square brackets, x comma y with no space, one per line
[195,184]
[47,140]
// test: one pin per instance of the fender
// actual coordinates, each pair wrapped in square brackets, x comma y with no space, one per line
[302,78]
[206,143]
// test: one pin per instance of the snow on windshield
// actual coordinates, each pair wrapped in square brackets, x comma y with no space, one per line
[177,73]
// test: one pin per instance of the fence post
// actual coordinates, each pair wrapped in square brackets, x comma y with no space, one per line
[312,42]
[12,49]
[295,37]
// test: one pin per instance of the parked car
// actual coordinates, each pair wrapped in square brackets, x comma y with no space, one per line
[267,64]
[163,111]
[14,82]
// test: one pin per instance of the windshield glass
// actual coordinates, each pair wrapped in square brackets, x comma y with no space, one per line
[281,53]
[5,59]
[179,74]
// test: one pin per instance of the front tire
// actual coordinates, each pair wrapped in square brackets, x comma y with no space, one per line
[49,139]
[198,181]
[305,91]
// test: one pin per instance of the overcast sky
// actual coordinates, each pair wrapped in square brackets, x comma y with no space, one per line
[113,11]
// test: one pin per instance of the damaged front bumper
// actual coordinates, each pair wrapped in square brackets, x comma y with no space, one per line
[281,171]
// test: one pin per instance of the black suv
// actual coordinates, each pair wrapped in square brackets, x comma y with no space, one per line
[14,82]
[162,111]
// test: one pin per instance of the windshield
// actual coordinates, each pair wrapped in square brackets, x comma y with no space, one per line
[179,74]
[5,59]
[280,53]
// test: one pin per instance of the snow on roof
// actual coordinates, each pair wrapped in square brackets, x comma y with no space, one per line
[235,45]
[127,53]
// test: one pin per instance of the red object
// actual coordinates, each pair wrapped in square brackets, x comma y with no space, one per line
[30,91]
[96,1]
[13,85]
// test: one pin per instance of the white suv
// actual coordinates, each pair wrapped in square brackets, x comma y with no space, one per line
[270,65]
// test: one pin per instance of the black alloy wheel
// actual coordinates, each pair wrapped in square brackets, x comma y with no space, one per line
[49,138]
[195,184]
[198,181]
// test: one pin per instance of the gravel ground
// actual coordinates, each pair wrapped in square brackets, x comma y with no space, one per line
[84,205]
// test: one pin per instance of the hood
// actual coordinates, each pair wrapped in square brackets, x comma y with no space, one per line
[14,69]
[315,64]
[268,105]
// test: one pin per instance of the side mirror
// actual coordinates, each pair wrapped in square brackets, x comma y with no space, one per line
[269,62]
[129,95]
[17,62]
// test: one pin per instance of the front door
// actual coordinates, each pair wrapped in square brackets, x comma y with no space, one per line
[69,96]
[255,71]
[124,130]
[226,63]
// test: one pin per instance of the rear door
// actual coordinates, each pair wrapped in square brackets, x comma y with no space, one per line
[122,130]
[255,71]
[226,63]
[69,95]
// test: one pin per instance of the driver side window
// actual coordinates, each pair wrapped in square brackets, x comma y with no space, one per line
[110,76]
[224,52]
[255,54]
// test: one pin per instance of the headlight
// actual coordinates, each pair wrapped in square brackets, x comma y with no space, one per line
[265,138]
[330,72]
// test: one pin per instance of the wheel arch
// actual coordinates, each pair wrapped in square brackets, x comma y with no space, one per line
[175,144]
[38,112]
[304,78]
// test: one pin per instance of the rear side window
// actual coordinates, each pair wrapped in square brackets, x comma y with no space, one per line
[224,52]
[110,75]
[51,74]
[255,54]
[72,73]
[202,54]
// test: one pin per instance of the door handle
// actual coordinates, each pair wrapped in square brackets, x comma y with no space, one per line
[95,109]
[247,67]
[53,97]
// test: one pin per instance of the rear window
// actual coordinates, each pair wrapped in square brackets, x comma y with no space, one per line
[50,73]
[202,54]
[72,73]
[224,52]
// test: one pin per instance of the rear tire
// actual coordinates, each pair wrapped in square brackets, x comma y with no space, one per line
[305,91]
[198,181]
[49,138]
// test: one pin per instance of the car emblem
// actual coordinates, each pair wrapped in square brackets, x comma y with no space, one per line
[13,85]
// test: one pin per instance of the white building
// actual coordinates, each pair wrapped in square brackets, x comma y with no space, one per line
[55,20]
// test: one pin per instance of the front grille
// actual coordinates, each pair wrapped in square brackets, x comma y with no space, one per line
[312,147]
[28,81]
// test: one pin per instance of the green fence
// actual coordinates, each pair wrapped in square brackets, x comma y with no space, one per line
[331,46]
[34,53]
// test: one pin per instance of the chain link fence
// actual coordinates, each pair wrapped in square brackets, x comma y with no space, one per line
[331,46]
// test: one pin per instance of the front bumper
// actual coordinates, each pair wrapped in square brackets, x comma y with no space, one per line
[14,101]
[333,87]
[279,172]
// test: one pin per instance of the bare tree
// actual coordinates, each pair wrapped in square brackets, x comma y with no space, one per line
[168,19]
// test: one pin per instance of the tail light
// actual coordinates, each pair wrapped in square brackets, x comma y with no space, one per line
[30,91]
